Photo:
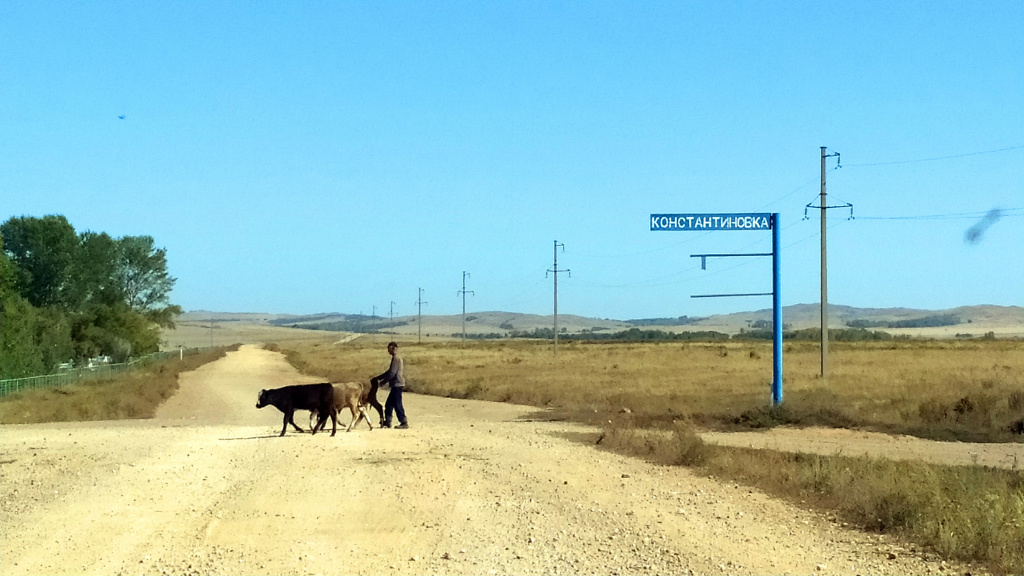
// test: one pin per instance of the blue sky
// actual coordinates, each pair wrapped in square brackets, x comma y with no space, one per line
[302,157]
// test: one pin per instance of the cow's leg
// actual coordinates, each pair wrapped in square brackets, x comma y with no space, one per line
[321,423]
[285,427]
[364,416]
[352,421]
[334,420]
[371,397]
[377,406]
[289,418]
[361,409]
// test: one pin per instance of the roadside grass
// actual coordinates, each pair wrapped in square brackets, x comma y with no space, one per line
[967,513]
[648,398]
[132,395]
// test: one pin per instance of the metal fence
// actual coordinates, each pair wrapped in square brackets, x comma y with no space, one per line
[76,375]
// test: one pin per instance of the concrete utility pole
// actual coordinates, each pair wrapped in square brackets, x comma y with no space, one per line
[419,316]
[824,268]
[463,293]
[554,270]
[824,273]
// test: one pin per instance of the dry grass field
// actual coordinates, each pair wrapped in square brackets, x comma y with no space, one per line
[649,398]
[951,390]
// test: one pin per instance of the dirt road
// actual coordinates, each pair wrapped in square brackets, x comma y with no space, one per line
[471,488]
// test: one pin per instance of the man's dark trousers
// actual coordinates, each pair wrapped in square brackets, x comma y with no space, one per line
[394,403]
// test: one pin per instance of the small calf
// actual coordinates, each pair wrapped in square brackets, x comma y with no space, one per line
[349,395]
[318,397]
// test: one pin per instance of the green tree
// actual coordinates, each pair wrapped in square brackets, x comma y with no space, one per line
[32,341]
[143,280]
[19,355]
[114,330]
[95,271]
[65,295]
[43,251]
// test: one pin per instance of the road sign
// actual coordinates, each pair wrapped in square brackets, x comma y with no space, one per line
[742,221]
[703,222]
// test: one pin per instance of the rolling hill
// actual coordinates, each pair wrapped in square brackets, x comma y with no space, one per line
[1002,321]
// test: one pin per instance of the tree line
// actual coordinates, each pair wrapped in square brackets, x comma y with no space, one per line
[933,321]
[67,296]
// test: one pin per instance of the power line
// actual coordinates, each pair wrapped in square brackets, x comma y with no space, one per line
[937,158]
[1004,213]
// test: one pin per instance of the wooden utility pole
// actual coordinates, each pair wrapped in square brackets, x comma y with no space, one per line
[555,271]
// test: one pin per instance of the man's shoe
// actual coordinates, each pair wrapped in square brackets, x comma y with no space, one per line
[402,427]
[385,425]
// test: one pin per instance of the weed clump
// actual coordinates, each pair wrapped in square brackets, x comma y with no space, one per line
[682,446]
[766,417]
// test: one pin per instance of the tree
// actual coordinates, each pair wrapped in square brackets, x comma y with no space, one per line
[43,250]
[19,355]
[65,295]
[143,280]
[32,341]
[95,271]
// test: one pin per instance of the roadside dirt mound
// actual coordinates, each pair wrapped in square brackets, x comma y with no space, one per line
[472,488]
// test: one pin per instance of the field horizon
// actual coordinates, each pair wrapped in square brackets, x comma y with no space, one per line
[974,322]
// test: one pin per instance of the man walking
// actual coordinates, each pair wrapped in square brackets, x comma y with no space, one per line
[395,376]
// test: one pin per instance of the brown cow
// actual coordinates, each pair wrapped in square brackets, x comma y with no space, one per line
[349,395]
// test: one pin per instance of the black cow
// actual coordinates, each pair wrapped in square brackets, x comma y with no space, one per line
[319,397]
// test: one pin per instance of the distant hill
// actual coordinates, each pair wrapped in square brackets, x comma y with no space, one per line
[1002,321]
[246,317]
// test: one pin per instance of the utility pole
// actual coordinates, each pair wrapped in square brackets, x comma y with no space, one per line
[822,203]
[391,315]
[554,270]
[463,293]
[419,316]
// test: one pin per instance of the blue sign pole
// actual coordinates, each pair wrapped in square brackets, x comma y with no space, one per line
[776,314]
